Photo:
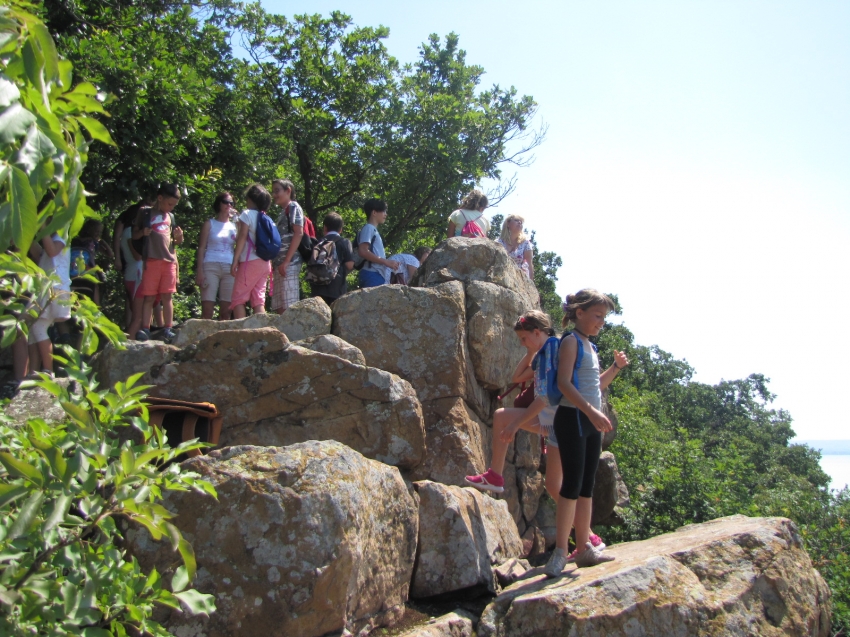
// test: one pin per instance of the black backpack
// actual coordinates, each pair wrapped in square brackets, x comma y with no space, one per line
[323,265]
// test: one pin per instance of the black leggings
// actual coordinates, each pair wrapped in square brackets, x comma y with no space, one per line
[579,444]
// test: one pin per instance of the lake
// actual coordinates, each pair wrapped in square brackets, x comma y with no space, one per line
[835,460]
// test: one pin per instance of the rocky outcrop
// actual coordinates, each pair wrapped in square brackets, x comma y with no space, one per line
[466,260]
[330,344]
[272,393]
[610,494]
[463,535]
[308,540]
[459,623]
[458,442]
[417,333]
[304,319]
[113,364]
[732,576]
[36,402]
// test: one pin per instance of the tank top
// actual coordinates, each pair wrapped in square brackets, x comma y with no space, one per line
[220,242]
[586,377]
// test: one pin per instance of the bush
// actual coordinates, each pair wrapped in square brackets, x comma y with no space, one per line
[62,489]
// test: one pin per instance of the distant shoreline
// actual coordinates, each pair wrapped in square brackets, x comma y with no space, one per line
[827,447]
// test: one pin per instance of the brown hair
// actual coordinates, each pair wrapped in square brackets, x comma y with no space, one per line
[534,320]
[259,196]
[332,222]
[474,200]
[583,300]
[422,251]
[286,185]
[220,200]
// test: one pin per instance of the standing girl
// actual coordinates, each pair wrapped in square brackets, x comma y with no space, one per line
[215,256]
[250,271]
[579,425]
[469,219]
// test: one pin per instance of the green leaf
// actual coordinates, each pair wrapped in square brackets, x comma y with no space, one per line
[97,130]
[26,516]
[24,215]
[197,603]
[96,632]
[20,468]
[33,63]
[127,461]
[9,91]
[58,510]
[48,50]
[11,492]
[14,122]
[35,147]
[180,580]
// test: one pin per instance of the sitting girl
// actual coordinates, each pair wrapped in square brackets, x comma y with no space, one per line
[519,248]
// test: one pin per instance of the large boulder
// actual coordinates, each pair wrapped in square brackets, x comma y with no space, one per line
[464,259]
[458,623]
[118,363]
[732,576]
[463,535]
[417,333]
[610,493]
[495,350]
[458,442]
[273,393]
[306,540]
[304,319]
[333,345]
[35,402]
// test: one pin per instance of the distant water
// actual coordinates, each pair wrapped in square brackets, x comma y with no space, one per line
[834,460]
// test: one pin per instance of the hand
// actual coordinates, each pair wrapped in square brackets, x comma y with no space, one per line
[392,265]
[178,234]
[281,269]
[199,279]
[146,232]
[509,432]
[620,359]
[599,420]
[118,264]
[234,268]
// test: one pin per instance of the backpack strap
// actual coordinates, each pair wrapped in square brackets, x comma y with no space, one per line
[579,356]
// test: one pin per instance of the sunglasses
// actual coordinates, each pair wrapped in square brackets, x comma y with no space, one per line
[229,203]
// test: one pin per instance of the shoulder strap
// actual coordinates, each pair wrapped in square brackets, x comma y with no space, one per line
[579,357]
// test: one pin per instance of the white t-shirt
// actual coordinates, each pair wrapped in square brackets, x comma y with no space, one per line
[405,260]
[460,217]
[249,218]
[132,269]
[60,264]
[220,242]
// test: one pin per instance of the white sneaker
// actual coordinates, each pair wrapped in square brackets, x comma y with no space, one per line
[592,556]
[556,563]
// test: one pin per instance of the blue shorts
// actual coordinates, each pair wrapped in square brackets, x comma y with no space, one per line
[370,278]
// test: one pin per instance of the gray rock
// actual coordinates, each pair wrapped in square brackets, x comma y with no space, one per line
[113,364]
[333,345]
[610,494]
[459,623]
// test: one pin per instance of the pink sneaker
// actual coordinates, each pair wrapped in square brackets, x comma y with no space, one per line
[488,481]
[596,541]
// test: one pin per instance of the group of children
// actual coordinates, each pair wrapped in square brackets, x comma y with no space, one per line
[567,410]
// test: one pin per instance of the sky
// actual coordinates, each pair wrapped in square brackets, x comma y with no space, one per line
[697,164]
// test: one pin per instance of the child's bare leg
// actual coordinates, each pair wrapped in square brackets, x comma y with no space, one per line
[584,508]
[143,318]
[157,315]
[261,309]
[554,473]
[224,311]
[239,311]
[20,358]
[167,310]
[564,517]
[501,419]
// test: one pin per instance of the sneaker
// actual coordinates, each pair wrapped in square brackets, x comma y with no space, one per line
[143,335]
[167,334]
[592,557]
[597,542]
[556,563]
[488,481]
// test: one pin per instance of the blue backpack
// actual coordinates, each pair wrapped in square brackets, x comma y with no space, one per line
[267,246]
[551,348]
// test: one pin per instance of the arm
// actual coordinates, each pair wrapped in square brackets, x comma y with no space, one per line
[523,372]
[620,361]
[241,239]
[297,233]
[451,230]
[364,250]
[52,247]
[566,364]
[202,250]
[528,256]
[349,266]
[411,271]
[530,414]
[116,244]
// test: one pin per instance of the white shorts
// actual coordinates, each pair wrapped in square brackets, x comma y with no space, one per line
[59,309]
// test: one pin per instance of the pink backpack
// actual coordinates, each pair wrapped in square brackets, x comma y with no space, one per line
[471,227]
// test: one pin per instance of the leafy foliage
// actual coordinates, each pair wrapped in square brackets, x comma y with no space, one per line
[62,489]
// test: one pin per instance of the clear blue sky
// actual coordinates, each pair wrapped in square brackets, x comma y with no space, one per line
[697,164]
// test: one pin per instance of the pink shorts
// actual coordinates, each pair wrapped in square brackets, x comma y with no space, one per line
[250,283]
[159,277]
